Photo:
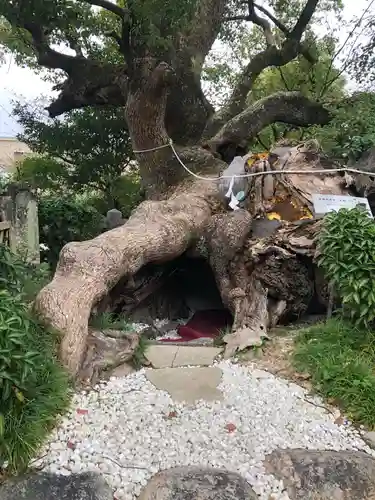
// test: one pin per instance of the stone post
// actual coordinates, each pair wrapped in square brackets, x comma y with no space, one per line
[21,209]
[114,219]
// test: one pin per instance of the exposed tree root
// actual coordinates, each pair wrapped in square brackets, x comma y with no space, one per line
[156,232]
[106,350]
[264,273]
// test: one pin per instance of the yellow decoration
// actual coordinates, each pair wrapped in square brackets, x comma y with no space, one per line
[273,216]
[255,157]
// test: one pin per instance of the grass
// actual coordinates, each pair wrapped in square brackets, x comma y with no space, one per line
[34,388]
[108,321]
[139,353]
[46,395]
[341,361]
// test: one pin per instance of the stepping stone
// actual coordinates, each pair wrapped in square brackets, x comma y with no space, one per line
[161,356]
[324,475]
[198,483]
[121,371]
[172,356]
[188,384]
[195,356]
[369,437]
[44,486]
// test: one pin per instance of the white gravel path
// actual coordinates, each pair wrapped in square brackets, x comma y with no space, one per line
[128,430]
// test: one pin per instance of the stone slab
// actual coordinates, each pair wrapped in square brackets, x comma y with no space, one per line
[188,384]
[161,356]
[43,486]
[323,475]
[369,437]
[195,356]
[203,341]
[122,370]
[187,483]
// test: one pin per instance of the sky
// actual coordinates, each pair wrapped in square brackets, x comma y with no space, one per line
[18,83]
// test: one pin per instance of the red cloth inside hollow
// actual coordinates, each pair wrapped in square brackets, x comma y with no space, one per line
[203,324]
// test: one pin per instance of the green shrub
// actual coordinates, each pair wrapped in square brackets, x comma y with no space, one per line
[125,194]
[62,220]
[34,388]
[346,249]
[128,193]
[21,277]
[340,359]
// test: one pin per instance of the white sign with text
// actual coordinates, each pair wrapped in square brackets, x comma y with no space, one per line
[324,203]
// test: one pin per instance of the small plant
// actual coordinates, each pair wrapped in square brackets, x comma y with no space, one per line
[340,359]
[346,249]
[33,387]
[21,277]
[139,353]
[108,321]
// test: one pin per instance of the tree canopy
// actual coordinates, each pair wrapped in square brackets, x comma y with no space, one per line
[92,44]
[87,149]
[152,59]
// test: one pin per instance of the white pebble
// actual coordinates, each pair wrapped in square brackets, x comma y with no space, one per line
[126,437]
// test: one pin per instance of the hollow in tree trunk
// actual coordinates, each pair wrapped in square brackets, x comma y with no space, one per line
[263,269]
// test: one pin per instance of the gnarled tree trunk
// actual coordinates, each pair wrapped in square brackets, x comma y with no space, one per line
[260,278]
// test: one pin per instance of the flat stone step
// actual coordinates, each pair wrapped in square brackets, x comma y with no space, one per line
[204,341]
[188,384]
[173,356]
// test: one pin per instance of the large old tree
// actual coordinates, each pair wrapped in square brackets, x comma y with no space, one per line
[156,77]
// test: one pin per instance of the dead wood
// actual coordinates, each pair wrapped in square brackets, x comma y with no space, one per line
[263,274]
[262,280]
[87,271]
[106,350]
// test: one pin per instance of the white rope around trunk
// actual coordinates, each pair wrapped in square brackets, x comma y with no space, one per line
[251,174]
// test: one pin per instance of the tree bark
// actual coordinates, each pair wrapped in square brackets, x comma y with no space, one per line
[286,107]
[260,280]
[161,91]
[156,232]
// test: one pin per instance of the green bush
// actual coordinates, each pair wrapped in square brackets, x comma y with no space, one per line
[62,220]
[21,277]
[346,253]
[34,388]
[340,359]
[127,193]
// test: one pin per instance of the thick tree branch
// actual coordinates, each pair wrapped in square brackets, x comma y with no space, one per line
[106,4]
[272,18]
[304,48]
[204,30]
[304,19]
[271,56]
[46,56]
[91,83]
[253,17]
[286,107]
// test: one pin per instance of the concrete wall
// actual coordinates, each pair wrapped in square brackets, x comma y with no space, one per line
[11,150]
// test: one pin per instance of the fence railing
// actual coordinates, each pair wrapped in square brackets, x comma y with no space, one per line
[5,233]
